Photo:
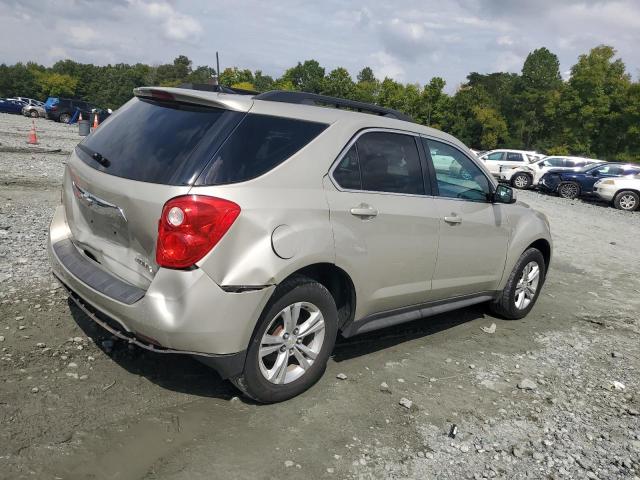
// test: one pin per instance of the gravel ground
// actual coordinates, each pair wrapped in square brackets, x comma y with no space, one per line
[555,395]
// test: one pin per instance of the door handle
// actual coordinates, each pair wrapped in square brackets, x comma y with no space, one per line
[364,211]
[453,219]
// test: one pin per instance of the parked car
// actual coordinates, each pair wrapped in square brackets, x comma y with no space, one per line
[527,176]
[27,101]
[11,106]
[572,184]
[63,109]
[248,231]
[34,111]
[622,192]
[497,160]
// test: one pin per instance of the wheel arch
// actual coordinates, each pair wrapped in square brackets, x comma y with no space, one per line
[544,247]
[339,284]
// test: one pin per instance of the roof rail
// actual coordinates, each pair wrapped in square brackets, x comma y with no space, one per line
[305,98]
[205,87]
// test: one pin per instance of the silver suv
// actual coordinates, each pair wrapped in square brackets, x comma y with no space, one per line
[248,231]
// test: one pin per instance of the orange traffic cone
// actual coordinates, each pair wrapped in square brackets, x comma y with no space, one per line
[33,138]
[95,120]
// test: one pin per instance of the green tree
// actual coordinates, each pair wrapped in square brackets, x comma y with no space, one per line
[306,77]
[339,84]
[56,84]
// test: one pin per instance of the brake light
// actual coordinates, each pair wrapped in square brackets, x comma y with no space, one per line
[190,226]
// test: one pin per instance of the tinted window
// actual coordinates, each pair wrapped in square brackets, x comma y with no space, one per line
[631,170]
[514,157]
[347,173]
[553,162]
[610,170]
[155,142]
[495,156]
[464,179]
[389,162]
[260,143]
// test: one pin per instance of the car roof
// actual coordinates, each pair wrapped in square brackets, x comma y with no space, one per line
[329,115]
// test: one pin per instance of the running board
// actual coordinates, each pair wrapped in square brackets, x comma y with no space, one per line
[414,312]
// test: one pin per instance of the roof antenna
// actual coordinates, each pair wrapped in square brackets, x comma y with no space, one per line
[216,79]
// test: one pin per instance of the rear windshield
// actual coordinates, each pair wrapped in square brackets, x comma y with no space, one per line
[158,142]
[175,144]
[259,144]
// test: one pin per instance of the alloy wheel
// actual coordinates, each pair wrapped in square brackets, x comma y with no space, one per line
[291,343]
[521,181]
[527,285]
[627,202]
[569,190]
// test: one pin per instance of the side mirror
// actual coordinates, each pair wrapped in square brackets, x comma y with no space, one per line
[504,194]
[595,173]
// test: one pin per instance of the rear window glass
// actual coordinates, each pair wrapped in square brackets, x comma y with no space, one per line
[258,144]
[158,142]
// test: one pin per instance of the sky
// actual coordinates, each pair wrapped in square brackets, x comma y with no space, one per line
[407,40]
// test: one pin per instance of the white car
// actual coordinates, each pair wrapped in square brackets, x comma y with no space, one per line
[503,159]
[622,192]
[526,176]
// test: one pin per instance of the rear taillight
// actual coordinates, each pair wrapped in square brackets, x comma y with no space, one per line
[190,227]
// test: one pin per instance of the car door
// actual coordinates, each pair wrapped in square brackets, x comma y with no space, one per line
[512,160]
[592,176]
[384,221]
[474,232]
[493,161]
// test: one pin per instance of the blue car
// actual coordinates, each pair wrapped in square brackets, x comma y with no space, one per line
[11,106]
[576,183]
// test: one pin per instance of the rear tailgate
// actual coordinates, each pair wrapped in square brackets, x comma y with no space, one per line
[119,178]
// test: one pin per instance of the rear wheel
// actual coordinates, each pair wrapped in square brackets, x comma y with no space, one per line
[33,114]
[64,118]
[521,180]
[292,343]
[569,190]
[523,287]
[627,200]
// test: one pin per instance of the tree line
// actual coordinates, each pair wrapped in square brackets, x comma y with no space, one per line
[595,112]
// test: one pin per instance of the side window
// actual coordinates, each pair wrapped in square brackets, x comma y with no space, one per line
[464,179]
[389,162]
[610,170]
[554,162]
[495,156]
[514,157]
[257,145]
[631,171]
[347,173]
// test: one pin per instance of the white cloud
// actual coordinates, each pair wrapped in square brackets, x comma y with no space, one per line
[175,25]
[385,65]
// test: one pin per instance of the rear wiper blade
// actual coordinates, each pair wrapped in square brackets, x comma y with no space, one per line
[101,160]
[95,155]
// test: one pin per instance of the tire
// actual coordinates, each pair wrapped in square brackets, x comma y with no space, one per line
[64,118]
[33,114]
[626,200]
[521,181]
[508,304]
[293,380]
[569,190]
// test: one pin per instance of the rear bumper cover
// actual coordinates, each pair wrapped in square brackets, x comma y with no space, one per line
[180,312]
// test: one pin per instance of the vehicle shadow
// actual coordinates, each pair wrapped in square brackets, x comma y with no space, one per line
[179,373]
[184,374]
[348,348]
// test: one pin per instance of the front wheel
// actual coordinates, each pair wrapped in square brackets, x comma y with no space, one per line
[33,114]
[523,287]
[626,200]
[292,343]
[569,190]
[64,118]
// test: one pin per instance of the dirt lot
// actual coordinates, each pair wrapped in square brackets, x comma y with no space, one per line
[555,395]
